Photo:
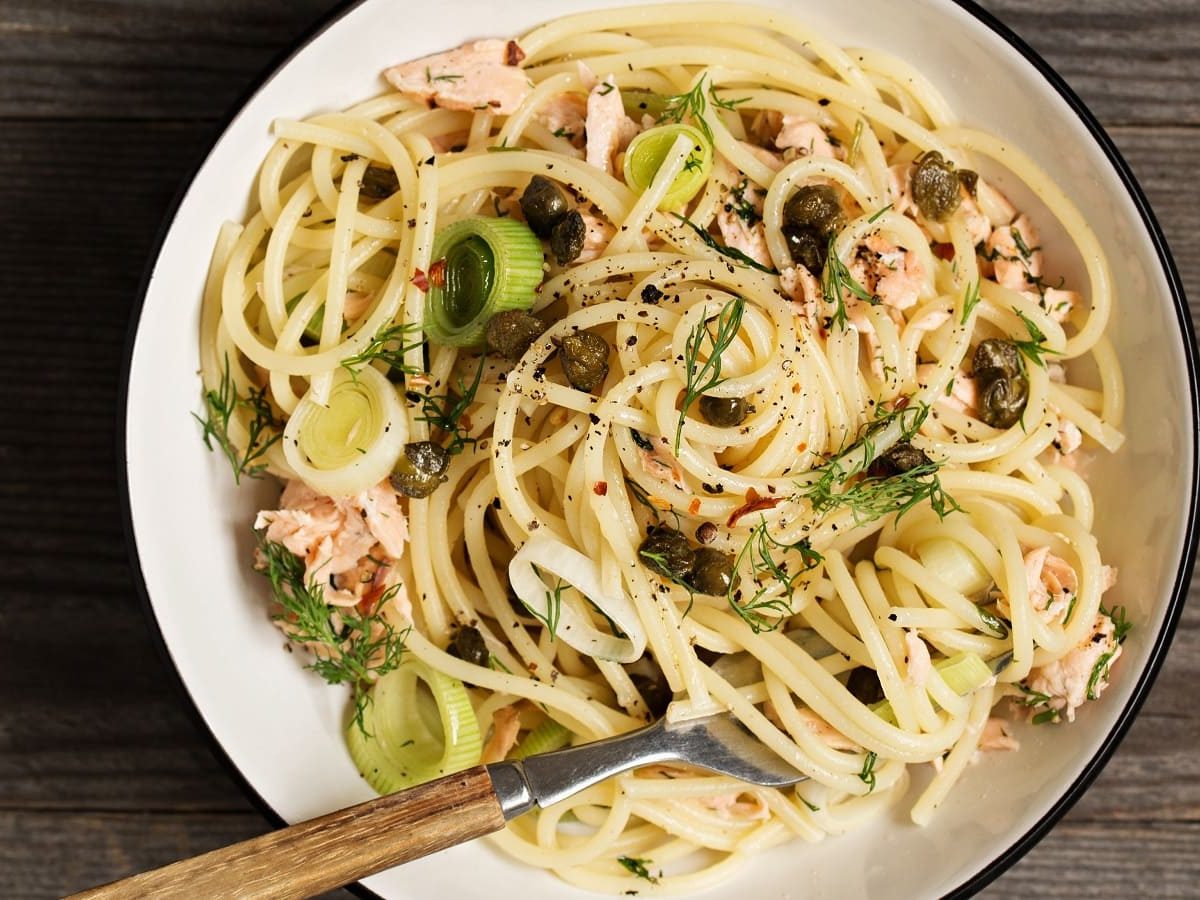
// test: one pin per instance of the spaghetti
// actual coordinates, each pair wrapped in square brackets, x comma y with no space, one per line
[830,438]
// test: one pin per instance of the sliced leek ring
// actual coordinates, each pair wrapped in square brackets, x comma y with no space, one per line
[352,443]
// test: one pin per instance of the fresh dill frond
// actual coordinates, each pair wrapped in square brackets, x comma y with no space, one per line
[691,104]
[760,551]
[742,207]
[719,103]
[863,449]
[638,867]
[875,217]
[704,376]
[1034,347]
[390,345]
[837,280]
[446,411]
[730,252]
[553,605]
[970,300]
[1121,624]
[867,775]
[355,648]
[262,429]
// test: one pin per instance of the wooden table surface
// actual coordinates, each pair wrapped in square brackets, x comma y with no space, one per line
[104,107]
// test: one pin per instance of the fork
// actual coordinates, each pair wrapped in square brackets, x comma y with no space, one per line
[344,846]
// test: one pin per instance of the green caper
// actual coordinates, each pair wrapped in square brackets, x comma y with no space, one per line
[806,247]
[468,646]
[712,572]
[654,690]
[901,458]
[379,183]
[969,180]
[864,684]
[543,205]
[935,187]
[724,412]
[996,357]
[567,237]
[816,207]
[420,469]
[512,332]
[1002,400]
[667,552]
[584,358]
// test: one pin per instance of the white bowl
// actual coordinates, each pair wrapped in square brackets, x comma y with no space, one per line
[279,725]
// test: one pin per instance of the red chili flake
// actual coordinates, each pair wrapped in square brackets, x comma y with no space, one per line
[513,54]
[694,506]
[600,488]
[420,280]
[437,273]
[943,251]
[753,503]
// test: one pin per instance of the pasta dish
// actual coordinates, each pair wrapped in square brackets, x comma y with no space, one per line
[672,360]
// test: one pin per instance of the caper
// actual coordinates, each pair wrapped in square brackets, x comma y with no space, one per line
[969,180]
[806,247]
[654,690]
[724,412]
[420,469]
[995,357]
[712,572]
[901,458]
[584,358]
[816,207]
[468,646]
[667,552]
[379,183]
[543,205]
[512,332]
[864,684]
[935,187]
[567,237]
[1002,400]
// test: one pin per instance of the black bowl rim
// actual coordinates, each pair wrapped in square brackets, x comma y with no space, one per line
[1023,844]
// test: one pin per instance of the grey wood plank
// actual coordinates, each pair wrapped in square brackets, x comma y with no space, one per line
[1134,63]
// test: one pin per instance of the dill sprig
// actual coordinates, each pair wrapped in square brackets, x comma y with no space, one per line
[1121,627]
[970,300]
[445,411]
[691,104]
[742,207]
[705,376]
[867,775]
[759,549]
[874,496]
[837,280]
[389,345]
[1034,347]
[553,604]
[729,252]
[638,867]
[360,649]
[263,430]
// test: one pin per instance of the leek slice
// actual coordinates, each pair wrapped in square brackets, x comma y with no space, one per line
[550,735]
[352,443]
[962,672]
[954,564]
[572,626]
[486,266]
[409,735]
[648,151]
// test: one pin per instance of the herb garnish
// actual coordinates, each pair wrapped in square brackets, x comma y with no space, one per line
[389,345]
[878,214]
[743,208]
[705,376]
[836,280]
[855,141]
[1121,626]
[638,867]
[263,430]
[430,78]
[445,411]
[868,771]
[361,648]
[970,300]
[553,605]
[731,252]
[561,132]
[759,548]
[1033,348]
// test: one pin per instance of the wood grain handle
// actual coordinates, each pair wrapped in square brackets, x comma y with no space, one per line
[336,849]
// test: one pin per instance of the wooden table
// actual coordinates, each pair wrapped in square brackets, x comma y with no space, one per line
[105,106]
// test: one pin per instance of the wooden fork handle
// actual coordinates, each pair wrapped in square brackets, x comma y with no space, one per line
[336,849]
